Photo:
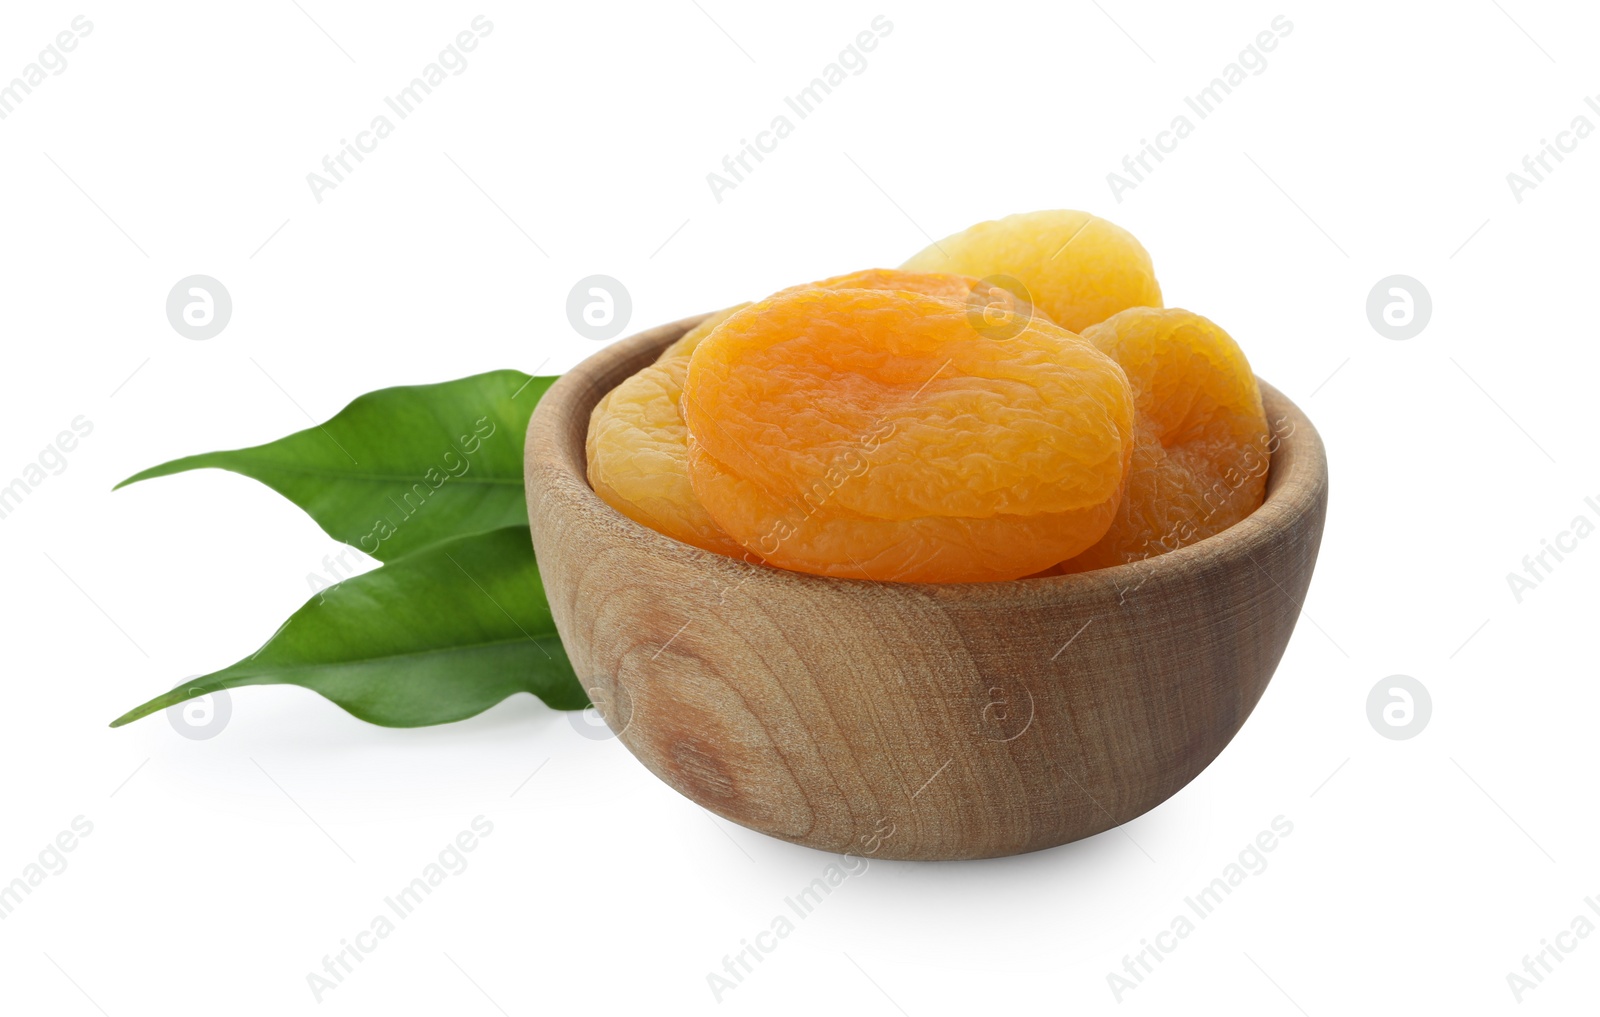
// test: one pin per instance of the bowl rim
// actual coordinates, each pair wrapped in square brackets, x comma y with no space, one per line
[1296,484]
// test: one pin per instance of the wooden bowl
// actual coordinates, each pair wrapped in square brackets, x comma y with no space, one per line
[916,721]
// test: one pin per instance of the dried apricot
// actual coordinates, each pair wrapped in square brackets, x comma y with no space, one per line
[638,459]
[685,344]
[874,433]
[1200,451]
[1075,267]
[993,306]
[637,451]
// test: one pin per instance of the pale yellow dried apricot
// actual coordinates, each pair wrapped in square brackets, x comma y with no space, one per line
[638,457]
[685,344]
[1075,267]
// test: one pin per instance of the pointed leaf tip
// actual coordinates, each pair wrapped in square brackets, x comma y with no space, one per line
[400,469]
[436,636]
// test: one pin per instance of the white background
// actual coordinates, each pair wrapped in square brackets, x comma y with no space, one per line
[577,141]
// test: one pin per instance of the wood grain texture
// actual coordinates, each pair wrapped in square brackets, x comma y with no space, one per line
[915,721]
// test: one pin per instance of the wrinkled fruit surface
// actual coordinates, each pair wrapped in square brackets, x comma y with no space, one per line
[638,457]
[684,346]
[876,434]
[1201,444]
[991,309]
[637,451]
[637,445]
[1077,268]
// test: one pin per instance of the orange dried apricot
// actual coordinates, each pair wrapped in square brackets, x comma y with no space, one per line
[993,306]
[685,344]
[876,434]
[991,309]
[1200,451]
[1075,267]
[636,448]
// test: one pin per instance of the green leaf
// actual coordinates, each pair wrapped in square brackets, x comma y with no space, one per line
[437,636]
[403,468]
